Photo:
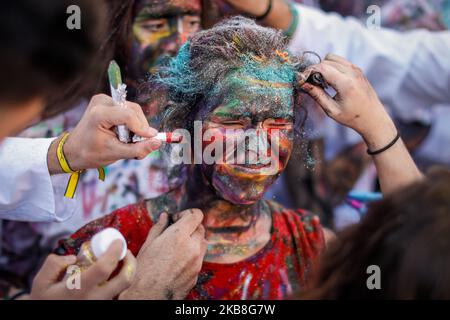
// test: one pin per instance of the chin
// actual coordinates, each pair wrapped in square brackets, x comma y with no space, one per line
[239,200]
[241,191]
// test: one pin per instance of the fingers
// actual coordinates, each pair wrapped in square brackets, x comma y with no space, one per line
[341,68]
[122,280]
[139,150]
[101,99]
[332,76]
[52,268]
[189,222]
[158,228]
[132,115]
[338,60]
[101,270]
[141,126]
[328,104]
[199,237]
[199,233]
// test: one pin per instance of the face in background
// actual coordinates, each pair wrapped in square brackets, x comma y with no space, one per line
[159,29]
[256,99]
[14,119]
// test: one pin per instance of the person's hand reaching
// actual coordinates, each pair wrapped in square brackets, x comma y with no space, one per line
[94,283]
[170,260]
[356,105]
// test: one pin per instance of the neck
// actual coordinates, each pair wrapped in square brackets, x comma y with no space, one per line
[232,231]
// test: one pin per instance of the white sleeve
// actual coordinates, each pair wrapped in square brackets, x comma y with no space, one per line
[27,191]
[409,70]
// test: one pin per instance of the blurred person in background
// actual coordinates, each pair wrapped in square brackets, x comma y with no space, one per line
[405,235]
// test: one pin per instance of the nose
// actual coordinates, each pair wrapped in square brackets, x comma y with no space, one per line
[172,44]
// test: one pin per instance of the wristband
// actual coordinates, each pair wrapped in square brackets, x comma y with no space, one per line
[265,14]
[294,23]
[75,174]
[373,153]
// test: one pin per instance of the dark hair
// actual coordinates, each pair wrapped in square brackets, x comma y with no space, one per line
[41,56]
[407,235]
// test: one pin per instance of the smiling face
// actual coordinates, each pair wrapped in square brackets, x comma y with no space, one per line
[159,29]
[259,100]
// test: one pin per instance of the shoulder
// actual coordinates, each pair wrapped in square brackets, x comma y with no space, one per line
[309,220]
[132,221]
[302,225]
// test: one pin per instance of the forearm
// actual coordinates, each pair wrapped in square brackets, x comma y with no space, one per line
[72,155]
[52,158]
[27,191]
[395,166]
[280,16]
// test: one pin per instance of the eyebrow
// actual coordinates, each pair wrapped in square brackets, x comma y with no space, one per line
[226,114]
[164,13]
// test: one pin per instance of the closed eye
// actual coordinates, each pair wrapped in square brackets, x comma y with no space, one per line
[155,26]
[232,123]
[278,124]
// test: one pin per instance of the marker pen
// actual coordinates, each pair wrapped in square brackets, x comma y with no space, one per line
[167,137]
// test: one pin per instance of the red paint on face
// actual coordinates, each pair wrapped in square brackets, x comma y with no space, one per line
[246,183]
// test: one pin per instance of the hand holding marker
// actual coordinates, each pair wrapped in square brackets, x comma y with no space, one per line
[119,96]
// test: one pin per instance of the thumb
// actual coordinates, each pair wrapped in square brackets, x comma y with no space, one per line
[139,150]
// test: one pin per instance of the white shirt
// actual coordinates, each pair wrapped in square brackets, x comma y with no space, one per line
[27,191]
[410,71]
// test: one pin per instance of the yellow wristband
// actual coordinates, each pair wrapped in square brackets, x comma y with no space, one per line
[75,175]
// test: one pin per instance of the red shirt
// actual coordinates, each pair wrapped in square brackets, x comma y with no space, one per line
[276,271]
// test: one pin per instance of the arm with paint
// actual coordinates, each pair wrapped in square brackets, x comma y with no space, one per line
[356,105]
[274,13]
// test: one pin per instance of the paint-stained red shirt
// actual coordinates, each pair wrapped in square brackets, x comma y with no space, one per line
[279,269]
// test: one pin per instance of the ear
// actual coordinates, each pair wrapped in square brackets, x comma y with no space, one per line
[17,117]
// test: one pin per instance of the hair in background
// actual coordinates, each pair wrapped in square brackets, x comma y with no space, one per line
[40,56]
[406,235]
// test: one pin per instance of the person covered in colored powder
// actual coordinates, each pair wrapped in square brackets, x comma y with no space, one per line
[238,76]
